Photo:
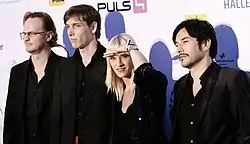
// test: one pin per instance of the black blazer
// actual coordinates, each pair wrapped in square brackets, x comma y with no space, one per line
[13,132]
[224,117]
[96,107]
[150,104]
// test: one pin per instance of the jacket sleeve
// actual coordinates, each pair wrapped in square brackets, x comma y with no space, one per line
[153,83]
[9,129]
[148,77]
[240,106]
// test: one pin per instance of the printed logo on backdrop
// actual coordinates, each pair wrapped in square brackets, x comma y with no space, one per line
[10,1]
[140,6]
[137,6]
[1,47]
[228,48]
[236,4]
[56,2]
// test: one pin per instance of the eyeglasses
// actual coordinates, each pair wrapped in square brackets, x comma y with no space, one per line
[29,34]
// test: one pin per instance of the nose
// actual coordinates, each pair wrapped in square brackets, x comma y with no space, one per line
[119,62]
[70,31]
[179,49]
[26,37]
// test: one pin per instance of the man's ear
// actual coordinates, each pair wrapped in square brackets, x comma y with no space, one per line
[49,36]
[206,45]
[93,27]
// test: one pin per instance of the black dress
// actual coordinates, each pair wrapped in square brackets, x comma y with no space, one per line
[143,121]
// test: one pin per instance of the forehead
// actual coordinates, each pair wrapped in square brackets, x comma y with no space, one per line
[120,53]
[33,24]
[117,46]
[182,34]
[75,19]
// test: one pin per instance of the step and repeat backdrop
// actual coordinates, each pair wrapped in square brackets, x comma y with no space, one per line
[150,22]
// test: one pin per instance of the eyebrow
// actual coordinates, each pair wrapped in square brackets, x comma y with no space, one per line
[119,54]
[74,23]
[123,53]
[182,39]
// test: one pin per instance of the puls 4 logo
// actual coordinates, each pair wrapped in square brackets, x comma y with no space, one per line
[138,6]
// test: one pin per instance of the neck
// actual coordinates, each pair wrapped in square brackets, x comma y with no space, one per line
[128,82]
[198,69]
[88,52]
[40,59]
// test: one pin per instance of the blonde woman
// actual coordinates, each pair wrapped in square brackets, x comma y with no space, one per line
[140,92]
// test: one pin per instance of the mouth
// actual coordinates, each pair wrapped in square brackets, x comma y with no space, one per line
[181,56]
[28,44]
[120,69]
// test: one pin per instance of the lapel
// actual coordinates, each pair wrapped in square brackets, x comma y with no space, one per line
[67,83]
[97,59]
[98,83]
[21,84]
[178,95]
[49,75]
[209,89]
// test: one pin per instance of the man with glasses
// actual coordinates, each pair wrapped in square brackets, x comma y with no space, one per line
[29,100]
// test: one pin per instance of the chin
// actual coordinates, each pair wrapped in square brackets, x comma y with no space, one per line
[74,46]
[120,75]
[29,50]
[185,65]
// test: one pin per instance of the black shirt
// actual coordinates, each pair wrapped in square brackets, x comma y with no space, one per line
[33,104]
[89,78]
[37,103]
[187,122]
[124,122]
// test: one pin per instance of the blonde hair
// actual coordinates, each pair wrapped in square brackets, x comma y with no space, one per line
[113,82]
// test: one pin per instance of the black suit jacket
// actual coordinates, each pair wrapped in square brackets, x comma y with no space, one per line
[13,132]
[96,110]
[224,117]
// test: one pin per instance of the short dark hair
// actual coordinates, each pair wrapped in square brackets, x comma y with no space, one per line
[86,13]
[48,24]
[201,30]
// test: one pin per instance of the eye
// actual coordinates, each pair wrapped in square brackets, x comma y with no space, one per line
[77,26]
[31,33]
[112,58]
[124,55]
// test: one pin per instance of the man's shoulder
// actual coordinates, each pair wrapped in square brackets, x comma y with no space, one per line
[181,80]
[180,84]
[19,66]
[230,73]
[66,63]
